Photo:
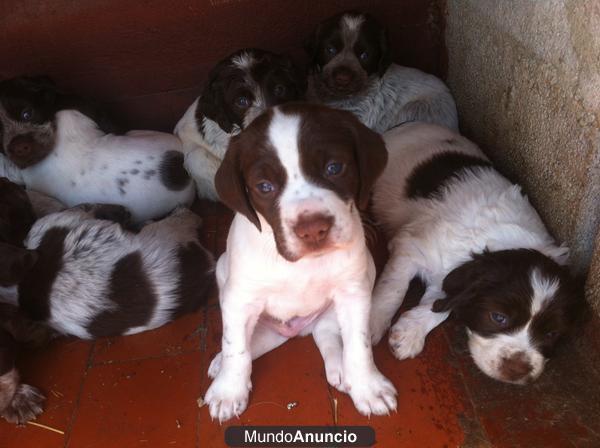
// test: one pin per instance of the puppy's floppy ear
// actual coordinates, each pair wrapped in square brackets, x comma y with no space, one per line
[230,183]
[371,156]
[311,44]
[386,55]
[461,285]
[15,262]
[212,105]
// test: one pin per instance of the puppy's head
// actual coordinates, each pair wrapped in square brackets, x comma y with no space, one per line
[346,51]
[27,127]
[16,213]
[517,304]
[245,84]
[303,169]
[15,262]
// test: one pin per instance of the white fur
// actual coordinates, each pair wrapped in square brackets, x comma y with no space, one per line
[254,279]
[402,94]
[431,237]
[91,249]
[86,164]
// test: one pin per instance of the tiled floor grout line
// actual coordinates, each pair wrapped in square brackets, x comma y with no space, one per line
[468,392]
[88,365]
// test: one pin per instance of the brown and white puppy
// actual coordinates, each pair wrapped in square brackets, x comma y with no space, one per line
[351,69]
[65,149]
[296,261]
[239,88]
[480,248]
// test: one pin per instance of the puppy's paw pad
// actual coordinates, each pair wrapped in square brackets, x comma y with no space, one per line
[375,395]
[226,399]
[27,403]
[406,340]
[215,366]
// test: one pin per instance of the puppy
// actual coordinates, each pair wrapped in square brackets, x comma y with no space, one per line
[89,278]
[239,88]
[351,69]
[480,248]
[296,261]
[62,149]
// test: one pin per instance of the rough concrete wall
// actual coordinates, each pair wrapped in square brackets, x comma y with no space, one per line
[526,76]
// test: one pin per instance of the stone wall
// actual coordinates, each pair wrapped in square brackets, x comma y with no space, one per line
[526,77]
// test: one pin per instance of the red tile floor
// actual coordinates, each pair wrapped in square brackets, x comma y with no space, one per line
[141,390]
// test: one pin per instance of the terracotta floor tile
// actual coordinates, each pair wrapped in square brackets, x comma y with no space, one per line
[432,408]
[58,371]
[291,374]
[180,336]
[147,403]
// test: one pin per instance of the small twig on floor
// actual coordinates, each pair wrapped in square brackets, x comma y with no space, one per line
[56,394]
[178,423]
[335,414]
[49,428]
[200,402]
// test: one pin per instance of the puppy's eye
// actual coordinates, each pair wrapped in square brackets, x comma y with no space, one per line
[364,56]
[551,335]
[499,318]
[279,90]
[243,102]
[265,187]
[334,168]
[26,114]
[331,49]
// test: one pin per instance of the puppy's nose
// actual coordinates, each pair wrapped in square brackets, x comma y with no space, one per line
[516,367]
[21,146]
[313,229]
[343,77]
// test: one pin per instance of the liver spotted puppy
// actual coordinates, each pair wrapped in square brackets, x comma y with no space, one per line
[481,250]
[351,69]
[64,149]
[239,88]
[296,261]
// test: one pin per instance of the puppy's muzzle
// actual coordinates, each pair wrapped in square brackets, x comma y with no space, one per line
[23,150]
[313,230]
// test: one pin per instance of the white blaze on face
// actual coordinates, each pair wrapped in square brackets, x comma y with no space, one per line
[301,196]
[544,289]
[245,62]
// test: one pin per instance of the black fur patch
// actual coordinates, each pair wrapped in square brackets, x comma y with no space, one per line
[429,178]
[34,290]
[172,173]
[133,297]
[7,352]
[197,278]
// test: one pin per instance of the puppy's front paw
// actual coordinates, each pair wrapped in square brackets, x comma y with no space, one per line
[373,394]
[27,403]
[227,398]
[215,366]
[407,339]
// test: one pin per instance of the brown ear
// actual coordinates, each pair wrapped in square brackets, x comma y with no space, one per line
[15,262]
[230,184]
[371,157]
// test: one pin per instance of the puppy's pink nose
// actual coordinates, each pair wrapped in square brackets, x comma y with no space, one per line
[516,367]
[21,146]
[313,229]
[343,78]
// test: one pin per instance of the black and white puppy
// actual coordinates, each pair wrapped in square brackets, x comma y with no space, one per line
[351,69]
[296,261]
[64,149]
[19,402]
[239,88]
[90,278]
[481,250]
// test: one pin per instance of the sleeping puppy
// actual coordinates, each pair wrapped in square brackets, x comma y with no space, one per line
[296,261]
[480,248]
[350,69]
[62,149]
[239,88]
[19,402]
[90,278]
